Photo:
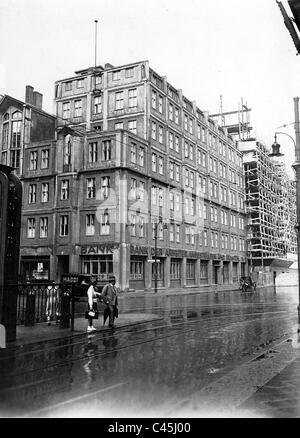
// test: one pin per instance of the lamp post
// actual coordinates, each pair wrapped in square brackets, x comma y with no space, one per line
[296,166]
[156,225]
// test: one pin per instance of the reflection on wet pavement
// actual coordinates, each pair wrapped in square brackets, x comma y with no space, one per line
[145,368]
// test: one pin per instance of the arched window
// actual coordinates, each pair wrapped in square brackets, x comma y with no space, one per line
[17,115]
[6,117]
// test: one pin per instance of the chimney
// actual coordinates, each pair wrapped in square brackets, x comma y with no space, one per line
[29,95]
[37,99]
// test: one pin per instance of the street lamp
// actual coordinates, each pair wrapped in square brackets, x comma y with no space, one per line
[156,225]
[296,166]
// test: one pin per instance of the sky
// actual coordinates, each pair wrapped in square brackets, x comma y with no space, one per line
[237,49]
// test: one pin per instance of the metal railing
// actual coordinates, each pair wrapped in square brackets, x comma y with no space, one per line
[41,302]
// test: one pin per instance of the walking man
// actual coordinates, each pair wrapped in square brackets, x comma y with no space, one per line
[110,299]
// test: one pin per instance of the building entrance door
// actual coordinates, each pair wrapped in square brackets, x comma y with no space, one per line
[216,273]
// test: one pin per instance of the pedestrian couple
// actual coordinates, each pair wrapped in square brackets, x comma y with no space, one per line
[109,297]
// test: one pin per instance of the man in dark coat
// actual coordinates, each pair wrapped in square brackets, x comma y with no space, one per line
[110,299]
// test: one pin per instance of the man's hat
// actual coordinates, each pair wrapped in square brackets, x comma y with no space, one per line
[111,277]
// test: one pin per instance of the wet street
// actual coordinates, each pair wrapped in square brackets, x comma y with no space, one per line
[145,369]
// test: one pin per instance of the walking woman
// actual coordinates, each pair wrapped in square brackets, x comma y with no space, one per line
[92,305]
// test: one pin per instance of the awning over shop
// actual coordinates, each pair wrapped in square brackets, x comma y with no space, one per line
[280,264]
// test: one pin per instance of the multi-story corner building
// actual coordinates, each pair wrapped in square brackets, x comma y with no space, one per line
[134,156]
[27,143]
[132,149]
[271,208]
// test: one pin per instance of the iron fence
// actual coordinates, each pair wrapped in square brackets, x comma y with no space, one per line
[41,302]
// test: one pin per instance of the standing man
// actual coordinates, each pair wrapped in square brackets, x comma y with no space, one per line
[110,299]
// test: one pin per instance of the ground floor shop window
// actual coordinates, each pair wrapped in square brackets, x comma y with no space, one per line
[101,266]
[190,270]
[175,269]
[137,268]
[225,272]
[35,269]
[160,270]
[203,271]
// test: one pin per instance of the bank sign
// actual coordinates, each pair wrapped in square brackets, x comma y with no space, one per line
[104,248]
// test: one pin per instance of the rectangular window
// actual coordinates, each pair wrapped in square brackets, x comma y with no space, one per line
[104,187]
[186,150]
[141,191]
[132,98]
[185,122]
[4,158]
[98,105]
[116,75]
[64,225]
[132,126]
[177,226]
[171,140]
[154,163]
[154,195]
[31,228]
[78,108]
[64,191]
[93,152]
[43,227]
[171,111]
[90,188]
[160,104]
[191,152]
[105,225]
[176,143]
[171,228]
[68,86]
[177,172]
[106,150]
[153,130]
[133,187]
[171,170]
[141,156]
[153,100]
[90,224]
[160,134]
[45,159]
[133,153]
[177,116]
[190,269]
[133,225]
[5,136]
[45,192]
[79,83]
[66,110]
[129,72]
[67,151]
[33,160]
[119,100]
[32,194]
[160,165]
[119,125]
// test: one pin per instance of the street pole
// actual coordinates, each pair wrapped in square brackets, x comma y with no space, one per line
[155,256]
[296,166]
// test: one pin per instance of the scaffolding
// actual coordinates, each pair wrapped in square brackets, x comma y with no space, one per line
[240,127]
[270,203]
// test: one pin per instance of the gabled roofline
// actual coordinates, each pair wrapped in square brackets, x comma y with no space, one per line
[6,96]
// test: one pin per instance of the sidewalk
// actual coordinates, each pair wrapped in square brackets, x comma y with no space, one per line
[267,386]
[280,396]
[41,332]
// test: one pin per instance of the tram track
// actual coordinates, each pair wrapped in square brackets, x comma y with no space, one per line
[104,352]
[123,330]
